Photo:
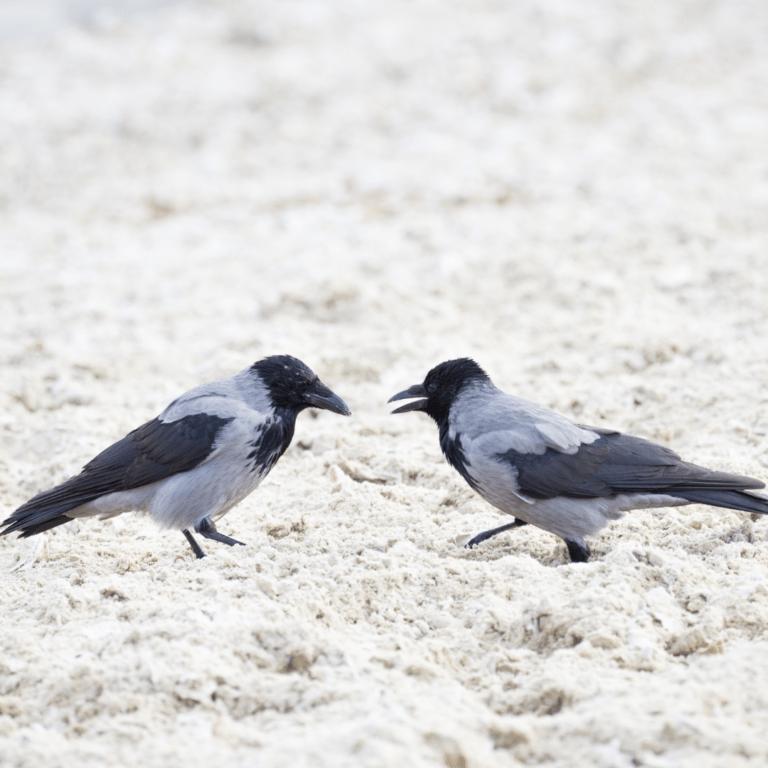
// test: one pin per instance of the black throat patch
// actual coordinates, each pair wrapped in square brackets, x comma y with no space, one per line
[271,441]
[453,451]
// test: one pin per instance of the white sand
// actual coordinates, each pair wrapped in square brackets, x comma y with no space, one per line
[576,194]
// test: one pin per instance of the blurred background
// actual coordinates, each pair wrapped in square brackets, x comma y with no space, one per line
[577,190]
[577,196]
[37,19]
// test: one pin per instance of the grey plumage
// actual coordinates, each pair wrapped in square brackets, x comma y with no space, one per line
[568,479]
[189,466]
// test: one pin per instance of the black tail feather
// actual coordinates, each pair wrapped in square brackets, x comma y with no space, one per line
[31,530]
[741,500]
[39,514]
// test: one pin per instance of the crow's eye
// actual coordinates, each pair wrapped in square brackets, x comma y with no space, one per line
[432,388]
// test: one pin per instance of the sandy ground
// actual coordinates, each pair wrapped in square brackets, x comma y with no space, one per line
[575,194]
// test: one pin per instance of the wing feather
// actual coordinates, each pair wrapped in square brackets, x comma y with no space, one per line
[614,464]
[152,452]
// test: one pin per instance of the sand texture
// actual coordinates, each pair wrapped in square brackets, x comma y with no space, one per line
[574,194]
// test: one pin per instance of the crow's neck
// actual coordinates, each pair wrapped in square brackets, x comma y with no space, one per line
[452,450]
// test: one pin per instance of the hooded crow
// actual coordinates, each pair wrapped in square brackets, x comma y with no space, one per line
[568,479]
[189,466]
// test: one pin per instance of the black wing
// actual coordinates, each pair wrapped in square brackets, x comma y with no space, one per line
[616,463]
[150,453]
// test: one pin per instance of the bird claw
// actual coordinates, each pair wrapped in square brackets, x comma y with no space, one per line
[206,527]
[228,540]
[485,535]
[578,550]
[196,548]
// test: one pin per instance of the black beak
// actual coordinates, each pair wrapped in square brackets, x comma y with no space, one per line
[417,390]
[319,396]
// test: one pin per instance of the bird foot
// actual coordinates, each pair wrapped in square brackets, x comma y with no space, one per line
[228,540]
[196,548]
[578,550]
[485,535]
[207,528]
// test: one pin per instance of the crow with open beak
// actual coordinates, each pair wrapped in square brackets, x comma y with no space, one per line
[189,466]
[541,468]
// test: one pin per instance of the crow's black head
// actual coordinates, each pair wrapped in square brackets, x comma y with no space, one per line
[440,387]
[294,386]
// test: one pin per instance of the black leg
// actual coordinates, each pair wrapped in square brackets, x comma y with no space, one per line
[207,528]
[578,550]
[485,535]
[196,548]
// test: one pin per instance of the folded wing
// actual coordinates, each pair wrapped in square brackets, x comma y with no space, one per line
[153,452]
[621,464]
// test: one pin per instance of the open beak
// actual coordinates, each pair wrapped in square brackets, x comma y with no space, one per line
[417,390]
[319,396]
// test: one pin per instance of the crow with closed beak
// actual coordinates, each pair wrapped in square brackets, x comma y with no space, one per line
[189,466]
[541,468]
